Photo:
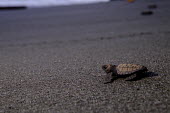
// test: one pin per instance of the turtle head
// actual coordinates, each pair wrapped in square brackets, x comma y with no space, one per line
[107,68]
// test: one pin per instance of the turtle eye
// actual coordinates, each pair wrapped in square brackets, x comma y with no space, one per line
[104,67]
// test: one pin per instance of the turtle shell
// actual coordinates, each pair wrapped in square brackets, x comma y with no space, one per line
[123,69]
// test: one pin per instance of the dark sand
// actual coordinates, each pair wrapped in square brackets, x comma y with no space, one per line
[50,58]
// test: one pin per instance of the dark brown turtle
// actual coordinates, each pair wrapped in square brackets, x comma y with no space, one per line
[123,70]
[146,13]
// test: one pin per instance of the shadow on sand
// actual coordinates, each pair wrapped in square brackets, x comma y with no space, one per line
[136,78]
[144,75]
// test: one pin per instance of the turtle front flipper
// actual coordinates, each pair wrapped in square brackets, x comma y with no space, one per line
[112,80]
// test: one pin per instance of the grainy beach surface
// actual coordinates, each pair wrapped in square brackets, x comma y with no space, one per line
[51,58]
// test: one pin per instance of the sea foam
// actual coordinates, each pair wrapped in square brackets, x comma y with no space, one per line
[42,3]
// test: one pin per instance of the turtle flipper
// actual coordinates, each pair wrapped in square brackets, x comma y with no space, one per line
[139,76]
[135,78]
[112,80]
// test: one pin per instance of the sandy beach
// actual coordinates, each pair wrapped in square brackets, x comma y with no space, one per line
[51,58]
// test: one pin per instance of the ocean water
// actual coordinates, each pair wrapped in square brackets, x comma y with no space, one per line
[42,3]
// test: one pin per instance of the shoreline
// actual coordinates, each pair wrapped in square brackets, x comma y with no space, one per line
[51,5]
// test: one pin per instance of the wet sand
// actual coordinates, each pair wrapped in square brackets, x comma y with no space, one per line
[51,58]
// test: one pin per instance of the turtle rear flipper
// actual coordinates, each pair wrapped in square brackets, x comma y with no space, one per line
[139,74]
[141,71]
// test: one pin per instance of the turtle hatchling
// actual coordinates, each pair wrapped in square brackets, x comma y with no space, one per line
[121,70]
